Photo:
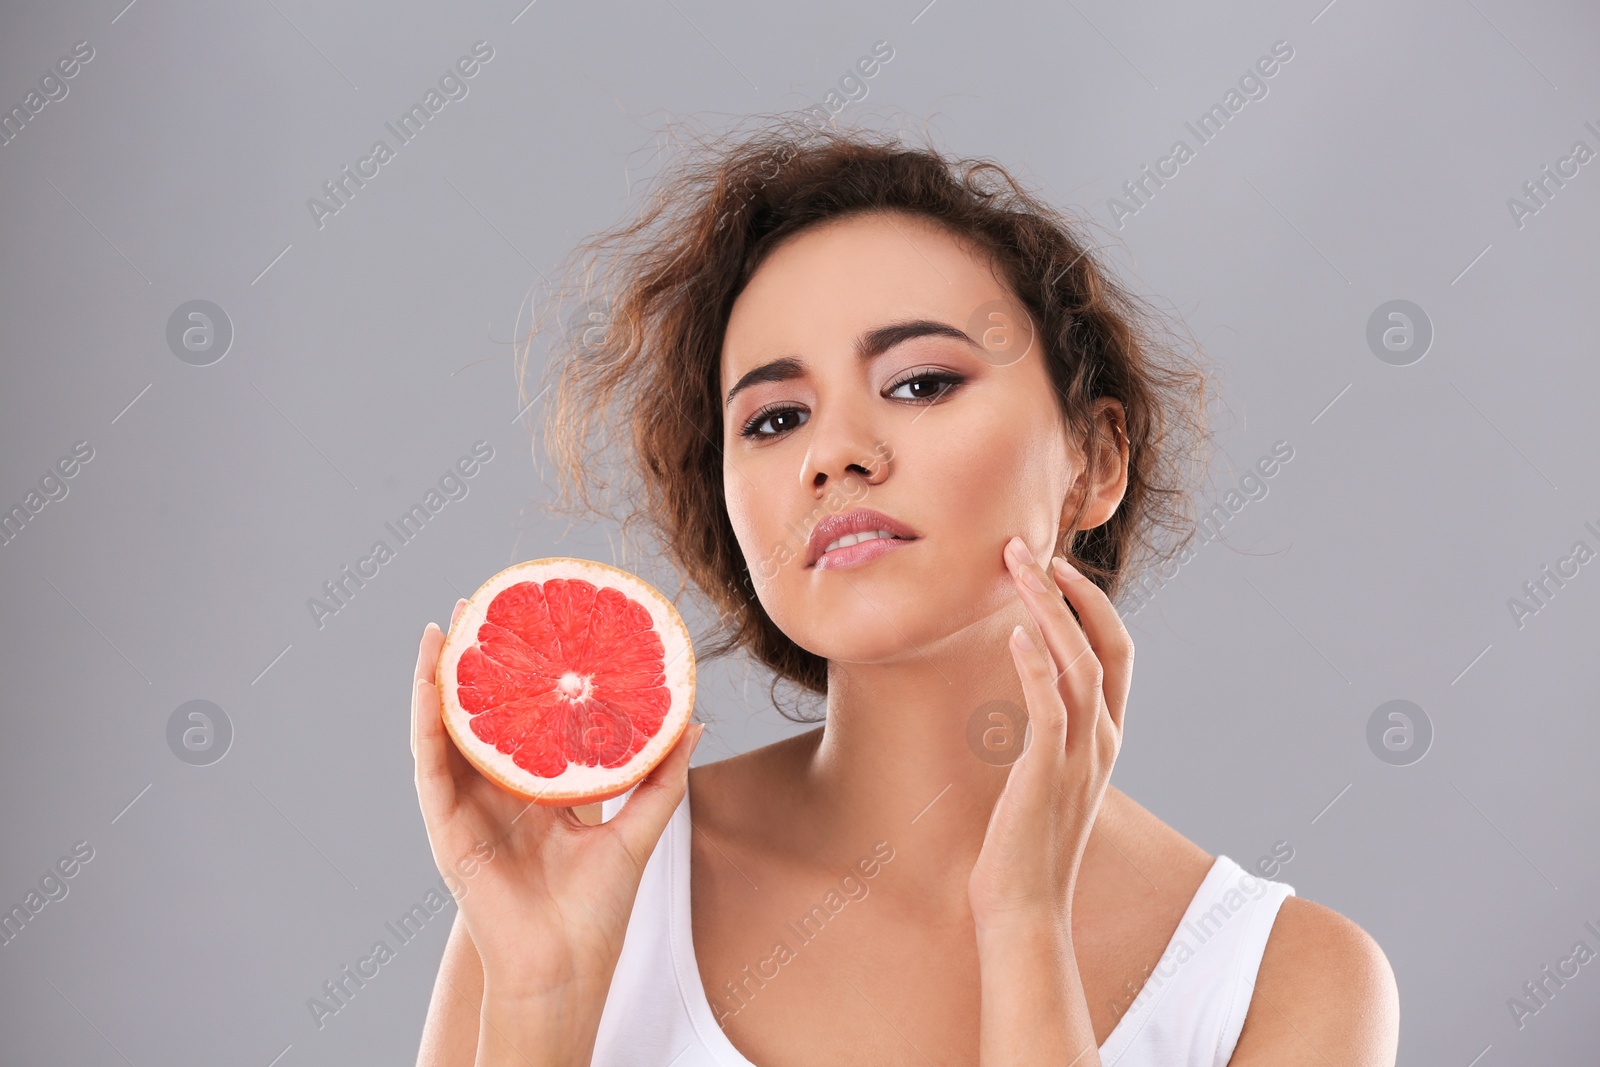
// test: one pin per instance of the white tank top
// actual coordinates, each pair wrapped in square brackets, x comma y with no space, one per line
[1188,1013]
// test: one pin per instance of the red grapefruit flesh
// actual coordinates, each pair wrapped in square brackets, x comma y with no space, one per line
[565,680]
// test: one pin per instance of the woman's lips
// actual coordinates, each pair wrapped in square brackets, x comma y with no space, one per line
[862,552]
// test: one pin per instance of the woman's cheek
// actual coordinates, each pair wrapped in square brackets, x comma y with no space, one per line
[985,484]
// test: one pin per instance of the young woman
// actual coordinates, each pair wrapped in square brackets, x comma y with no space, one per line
[890,416]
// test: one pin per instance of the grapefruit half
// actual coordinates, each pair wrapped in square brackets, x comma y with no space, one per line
[564,681]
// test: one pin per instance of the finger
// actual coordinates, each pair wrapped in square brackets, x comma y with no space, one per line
[1047,713]
[426,661]
[1103,628]
[645,815]
[460,768]
[1076,663]
[430,743]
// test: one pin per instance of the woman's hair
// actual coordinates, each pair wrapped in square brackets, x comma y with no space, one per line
[638,363]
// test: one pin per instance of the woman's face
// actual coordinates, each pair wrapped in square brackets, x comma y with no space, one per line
[831,411]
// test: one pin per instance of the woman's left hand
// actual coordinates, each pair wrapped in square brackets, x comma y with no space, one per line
[1033,1005]
[1077,689]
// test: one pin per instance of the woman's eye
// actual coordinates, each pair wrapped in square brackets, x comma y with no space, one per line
[775,422]
[784,420]
[926,386]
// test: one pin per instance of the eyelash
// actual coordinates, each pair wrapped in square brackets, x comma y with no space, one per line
[951,380]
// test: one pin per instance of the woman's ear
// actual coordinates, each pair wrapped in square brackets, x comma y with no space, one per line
[1105,481]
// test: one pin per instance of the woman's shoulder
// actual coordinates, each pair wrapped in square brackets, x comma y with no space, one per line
[1304,931]
[1324,992]
[1138,878]
[1142,837]
[727,795]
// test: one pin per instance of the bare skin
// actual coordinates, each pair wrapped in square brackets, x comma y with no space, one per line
[1319,975]
[1317,968]
[1025,903]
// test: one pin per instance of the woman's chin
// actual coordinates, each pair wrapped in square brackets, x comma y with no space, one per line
[887,630]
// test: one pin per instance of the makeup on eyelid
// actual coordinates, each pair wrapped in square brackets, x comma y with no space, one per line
[949,379]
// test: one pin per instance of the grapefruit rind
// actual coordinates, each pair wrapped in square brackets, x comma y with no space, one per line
[578,784]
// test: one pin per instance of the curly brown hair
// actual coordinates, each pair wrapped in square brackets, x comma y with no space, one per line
[642,350]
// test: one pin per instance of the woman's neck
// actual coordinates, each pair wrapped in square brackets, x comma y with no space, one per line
[914,753]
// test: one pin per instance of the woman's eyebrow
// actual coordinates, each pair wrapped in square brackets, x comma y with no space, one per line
[869,345]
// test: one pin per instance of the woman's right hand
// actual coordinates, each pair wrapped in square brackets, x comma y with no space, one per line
[545,897]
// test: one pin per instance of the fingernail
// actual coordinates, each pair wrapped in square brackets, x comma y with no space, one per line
[1019,548]
[1060,563]
[1024,642]
[1027,569]
[698,734]
[430,626]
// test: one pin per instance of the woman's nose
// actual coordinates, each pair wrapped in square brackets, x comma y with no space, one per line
[843,451]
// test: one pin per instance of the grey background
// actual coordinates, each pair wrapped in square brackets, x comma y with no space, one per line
[371,353]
